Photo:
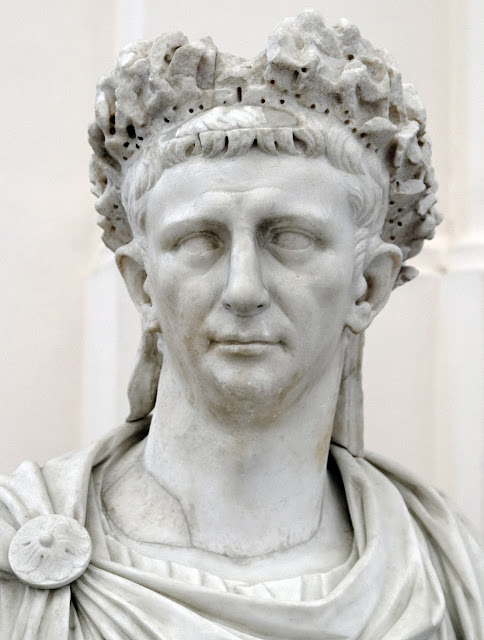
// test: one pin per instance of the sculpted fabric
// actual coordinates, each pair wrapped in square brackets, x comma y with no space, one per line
[401,528]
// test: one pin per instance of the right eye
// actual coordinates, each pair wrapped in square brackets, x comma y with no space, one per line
[199,243]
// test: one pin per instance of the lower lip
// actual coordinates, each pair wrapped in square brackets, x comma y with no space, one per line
[245,349]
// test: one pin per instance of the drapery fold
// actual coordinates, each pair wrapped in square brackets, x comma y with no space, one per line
[415,572]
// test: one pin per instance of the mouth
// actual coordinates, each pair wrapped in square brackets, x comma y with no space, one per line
[245,345]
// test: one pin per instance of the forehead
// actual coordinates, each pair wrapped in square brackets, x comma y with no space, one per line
[255,181]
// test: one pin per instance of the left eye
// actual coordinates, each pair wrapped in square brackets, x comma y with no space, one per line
[292,240]
[200,243]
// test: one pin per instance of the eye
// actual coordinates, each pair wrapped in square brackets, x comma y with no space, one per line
[291,240]
[199,244]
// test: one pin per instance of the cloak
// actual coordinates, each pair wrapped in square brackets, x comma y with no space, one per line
[415,572]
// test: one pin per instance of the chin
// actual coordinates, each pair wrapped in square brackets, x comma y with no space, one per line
[249,387]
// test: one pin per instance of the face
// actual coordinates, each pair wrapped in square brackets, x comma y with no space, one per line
[250,265]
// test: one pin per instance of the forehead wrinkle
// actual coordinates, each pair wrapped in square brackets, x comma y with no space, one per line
[228,191]
[290,172]
[219,198]
[241,190]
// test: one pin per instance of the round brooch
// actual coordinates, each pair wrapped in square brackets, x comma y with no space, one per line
[49,552]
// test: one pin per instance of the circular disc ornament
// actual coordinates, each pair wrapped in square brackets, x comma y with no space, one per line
[50,551]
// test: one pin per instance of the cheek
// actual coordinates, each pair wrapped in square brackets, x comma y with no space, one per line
[335,288]
[181,299]
[320,305]
[325,287]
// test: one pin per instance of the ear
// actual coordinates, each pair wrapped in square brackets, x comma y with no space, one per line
[129,259]
[374,285]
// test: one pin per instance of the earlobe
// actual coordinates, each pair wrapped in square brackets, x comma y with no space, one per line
[374,286]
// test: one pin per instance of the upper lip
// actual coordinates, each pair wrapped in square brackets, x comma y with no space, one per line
[243,339]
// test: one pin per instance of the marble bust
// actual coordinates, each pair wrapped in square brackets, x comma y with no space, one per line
[261,212]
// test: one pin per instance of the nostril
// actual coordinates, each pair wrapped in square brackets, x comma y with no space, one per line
[244,308]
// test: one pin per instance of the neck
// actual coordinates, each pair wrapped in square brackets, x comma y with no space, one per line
[245,490]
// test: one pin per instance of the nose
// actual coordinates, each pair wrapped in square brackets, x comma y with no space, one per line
[245,293]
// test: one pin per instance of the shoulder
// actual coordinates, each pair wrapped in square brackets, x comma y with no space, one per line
[58,488]
[429,507]
[455,548]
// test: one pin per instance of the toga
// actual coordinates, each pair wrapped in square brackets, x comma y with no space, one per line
[415,571]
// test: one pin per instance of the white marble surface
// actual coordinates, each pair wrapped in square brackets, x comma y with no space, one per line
[258,239]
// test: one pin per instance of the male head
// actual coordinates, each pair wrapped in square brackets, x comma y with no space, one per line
[318,100]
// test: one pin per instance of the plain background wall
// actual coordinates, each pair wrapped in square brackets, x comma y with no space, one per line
[51,51]
[67,329]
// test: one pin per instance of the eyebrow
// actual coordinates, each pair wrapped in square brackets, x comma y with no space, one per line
[303,219]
